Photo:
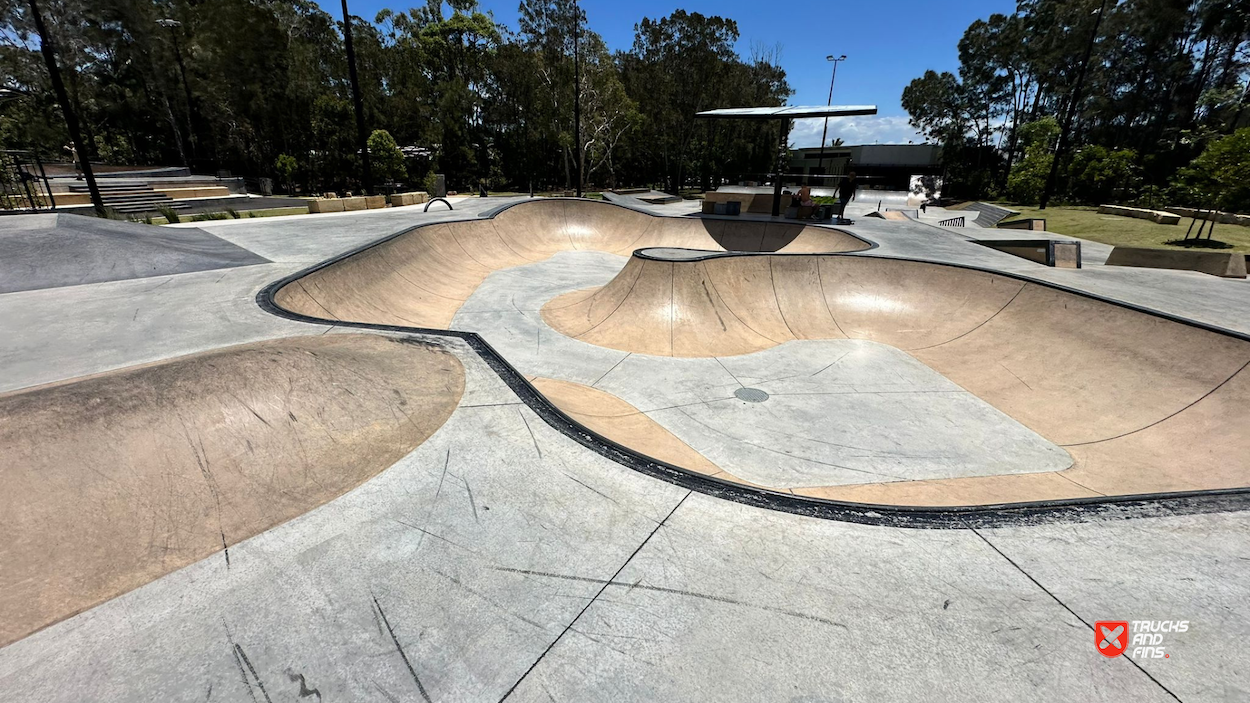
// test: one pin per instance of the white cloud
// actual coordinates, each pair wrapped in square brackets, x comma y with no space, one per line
[869,129]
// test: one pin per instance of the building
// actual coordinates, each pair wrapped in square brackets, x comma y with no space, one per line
[885,166]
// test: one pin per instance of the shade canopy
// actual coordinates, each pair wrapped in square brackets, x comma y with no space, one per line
[788,112]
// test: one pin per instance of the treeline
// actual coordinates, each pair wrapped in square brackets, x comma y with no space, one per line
[1164,91]
[261,87]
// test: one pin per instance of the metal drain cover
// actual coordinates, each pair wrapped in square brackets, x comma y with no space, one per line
[751,395]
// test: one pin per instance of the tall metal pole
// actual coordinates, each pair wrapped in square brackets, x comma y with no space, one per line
[783,152]
[362,138]
[821,163]
[1071,111]
[577,97]
[48,48]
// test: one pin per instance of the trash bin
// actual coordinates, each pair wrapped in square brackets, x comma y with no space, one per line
[733,207]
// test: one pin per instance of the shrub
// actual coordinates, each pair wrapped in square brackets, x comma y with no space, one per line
[388,160]
[1220,176]
[1028,176]
[170,215]
[285,167]
[1099,176]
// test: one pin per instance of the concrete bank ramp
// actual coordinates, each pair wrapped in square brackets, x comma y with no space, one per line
[54,250]
[421,277]
[114,480]
[1142,403]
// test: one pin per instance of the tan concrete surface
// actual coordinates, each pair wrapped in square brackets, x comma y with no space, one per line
[325,205]
[1143,404]
[113,480]
[422,277]
[622,423]
[1157,216]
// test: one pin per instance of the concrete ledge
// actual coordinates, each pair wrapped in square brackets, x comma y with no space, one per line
[403,199]
[203,192]
[1156,216]
[751,202]
[321,205]
[1215,263]
[1227,218]
[1033,224]
[356,203]
[373,202]
[1049,252]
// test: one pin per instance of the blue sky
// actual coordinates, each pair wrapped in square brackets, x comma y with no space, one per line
[887,43]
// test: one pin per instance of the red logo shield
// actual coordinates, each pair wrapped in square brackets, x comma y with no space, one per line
[1111,637]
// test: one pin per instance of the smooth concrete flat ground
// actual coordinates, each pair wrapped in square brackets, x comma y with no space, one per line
[839,411]
[501,560]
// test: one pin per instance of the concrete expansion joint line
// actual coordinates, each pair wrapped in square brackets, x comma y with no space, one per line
[1066,607]
[594,598]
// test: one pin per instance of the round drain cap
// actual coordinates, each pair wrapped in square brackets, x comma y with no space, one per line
[751,395]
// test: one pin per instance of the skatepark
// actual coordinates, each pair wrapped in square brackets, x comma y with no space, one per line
[557,449]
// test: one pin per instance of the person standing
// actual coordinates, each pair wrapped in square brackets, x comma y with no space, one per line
[846,193]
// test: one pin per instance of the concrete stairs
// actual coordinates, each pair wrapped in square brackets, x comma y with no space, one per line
[131,197]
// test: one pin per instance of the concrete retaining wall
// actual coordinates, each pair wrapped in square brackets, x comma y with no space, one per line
[403,199]
[1215,263]
[321,205]
[1227,218]
[1156,216]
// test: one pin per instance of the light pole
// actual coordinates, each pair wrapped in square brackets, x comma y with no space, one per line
[821,163]
[1071,111]
[577,98]
[362,139]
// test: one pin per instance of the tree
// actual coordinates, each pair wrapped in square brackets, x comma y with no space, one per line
[937,106]
[1028,177]
[1220,176]
[388,160]
[1100,175]
[1165,77]
[285,166]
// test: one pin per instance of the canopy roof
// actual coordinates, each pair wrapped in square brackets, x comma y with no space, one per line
[789,112]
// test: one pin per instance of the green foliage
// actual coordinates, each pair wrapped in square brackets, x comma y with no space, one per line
[285,166]
[1028,176]
[209,216]
[430,182]
[261,88]
[234,214]
[387,159]
[170,215]
[1220,176]
[935,102]
[1164,79]
[1098,175]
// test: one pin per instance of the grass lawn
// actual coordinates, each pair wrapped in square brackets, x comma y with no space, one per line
[1086,223]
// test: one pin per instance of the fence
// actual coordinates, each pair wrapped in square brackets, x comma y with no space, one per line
[953,222]
[23,183]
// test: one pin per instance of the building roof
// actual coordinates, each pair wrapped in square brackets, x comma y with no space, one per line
[788,111]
